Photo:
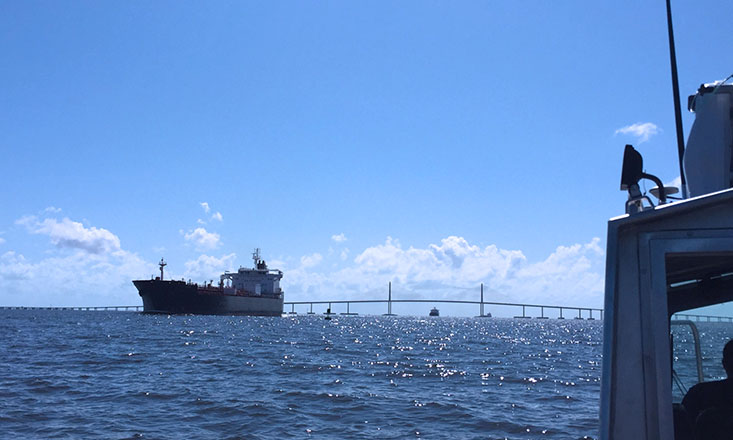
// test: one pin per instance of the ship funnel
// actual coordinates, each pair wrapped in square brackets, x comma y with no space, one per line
[707,159]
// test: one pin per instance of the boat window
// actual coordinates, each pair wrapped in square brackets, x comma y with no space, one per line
[696,359]
[700,300]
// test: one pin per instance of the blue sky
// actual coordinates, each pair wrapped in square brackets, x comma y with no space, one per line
[432,144]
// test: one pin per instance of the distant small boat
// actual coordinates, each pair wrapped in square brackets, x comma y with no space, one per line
[434,312]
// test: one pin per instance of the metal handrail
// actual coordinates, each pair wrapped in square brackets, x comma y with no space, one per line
[696,338]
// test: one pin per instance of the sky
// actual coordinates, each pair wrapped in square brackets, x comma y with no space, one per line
[433,145]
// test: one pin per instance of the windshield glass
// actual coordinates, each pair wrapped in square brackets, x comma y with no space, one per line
[713,335]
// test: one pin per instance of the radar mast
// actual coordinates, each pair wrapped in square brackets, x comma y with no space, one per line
[259,262]
[162,264]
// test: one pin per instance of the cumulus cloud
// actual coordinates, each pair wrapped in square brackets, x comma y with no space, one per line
[65,233]
[90,259]
[205,205]
[202,238]
[339,238]
[641,130]
[217,216]
[14,267]
[574,273]
[80,278]
[453,262]
[310,260]
[453,269]
[209,267]
[52,210]
[87,266]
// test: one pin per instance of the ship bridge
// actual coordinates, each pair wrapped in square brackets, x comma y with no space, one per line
[258,280]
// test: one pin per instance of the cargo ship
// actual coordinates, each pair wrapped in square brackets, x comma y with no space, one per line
[254,292]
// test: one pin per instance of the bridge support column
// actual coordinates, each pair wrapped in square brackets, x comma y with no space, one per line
[481,311]
[389,301]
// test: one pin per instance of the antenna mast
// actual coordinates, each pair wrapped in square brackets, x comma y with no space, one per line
[676,93]
[162,264]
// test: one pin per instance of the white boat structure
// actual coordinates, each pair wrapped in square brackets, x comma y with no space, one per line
[664,259]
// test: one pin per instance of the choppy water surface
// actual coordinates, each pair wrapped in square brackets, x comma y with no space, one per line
[67,374]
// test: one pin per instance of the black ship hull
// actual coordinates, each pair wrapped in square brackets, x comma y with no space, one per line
[178,297]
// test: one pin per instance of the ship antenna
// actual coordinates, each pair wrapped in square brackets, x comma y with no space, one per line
[256,256]
[676,93]
[162,264]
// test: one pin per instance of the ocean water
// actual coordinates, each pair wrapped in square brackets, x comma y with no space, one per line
[74,374]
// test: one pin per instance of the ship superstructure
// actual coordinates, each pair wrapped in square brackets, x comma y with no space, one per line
[249,291]
[257,281]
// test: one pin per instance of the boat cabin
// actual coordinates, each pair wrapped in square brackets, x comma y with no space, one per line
[663,260]
[660,262]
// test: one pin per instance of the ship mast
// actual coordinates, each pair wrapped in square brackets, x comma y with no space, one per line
[162,264]
[256,256]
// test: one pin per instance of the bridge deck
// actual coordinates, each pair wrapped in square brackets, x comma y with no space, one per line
[532,307]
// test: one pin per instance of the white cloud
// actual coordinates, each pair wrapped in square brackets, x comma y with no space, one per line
[203,239]
[641,130]
[92,269]
[310,260]
[339,238]
[454,268]
[676,182]
[209,267]
[2,240]
[573,274]
[52,210]
[65,233]
[453,262]
[14,267]
[79,278]
[215,216]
